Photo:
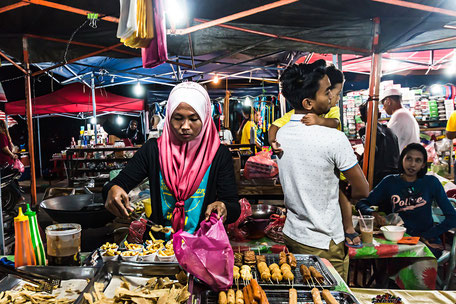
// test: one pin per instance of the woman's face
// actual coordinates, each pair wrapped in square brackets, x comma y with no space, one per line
[413,162]
[185,123]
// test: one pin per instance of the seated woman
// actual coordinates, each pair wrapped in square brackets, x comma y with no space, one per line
[190,173]
[411,194]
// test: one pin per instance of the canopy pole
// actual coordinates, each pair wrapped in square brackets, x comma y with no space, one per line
[28,109]
[371,127]
[341,98]
[39,145]
[94,106]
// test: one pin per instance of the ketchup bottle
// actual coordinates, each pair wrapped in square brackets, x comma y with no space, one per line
[23,249]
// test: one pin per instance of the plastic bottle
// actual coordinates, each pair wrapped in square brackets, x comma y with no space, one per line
[37,243]
[23,248]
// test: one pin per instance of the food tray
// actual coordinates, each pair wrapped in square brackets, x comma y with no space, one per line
[308,260]
[76,278]
[281,297]
[111,269]
[95,259]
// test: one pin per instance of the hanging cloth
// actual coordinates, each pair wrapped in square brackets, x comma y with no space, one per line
[156,52]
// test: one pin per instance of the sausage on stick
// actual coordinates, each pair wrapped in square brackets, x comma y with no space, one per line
[293,296]
[239,297]
[255,289]
[222,298]
[328,297]
[316,296]
[231,297]
[316,274]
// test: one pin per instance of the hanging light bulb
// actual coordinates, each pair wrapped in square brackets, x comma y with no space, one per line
[176,12]
[138,89]
[93,120]
[119,120]
[216,79]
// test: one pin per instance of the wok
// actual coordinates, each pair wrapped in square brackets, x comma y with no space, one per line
[85,209]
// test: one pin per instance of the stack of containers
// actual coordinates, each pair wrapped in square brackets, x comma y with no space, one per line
[441,108]
[433,110]
[449,108]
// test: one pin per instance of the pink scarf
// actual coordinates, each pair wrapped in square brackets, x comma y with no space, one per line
[183,165]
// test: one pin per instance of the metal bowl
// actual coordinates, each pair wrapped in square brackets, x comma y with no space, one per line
[263,211]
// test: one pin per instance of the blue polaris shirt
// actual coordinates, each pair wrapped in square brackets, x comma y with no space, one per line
[413,201]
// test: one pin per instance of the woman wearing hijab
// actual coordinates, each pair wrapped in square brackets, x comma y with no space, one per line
[190,174]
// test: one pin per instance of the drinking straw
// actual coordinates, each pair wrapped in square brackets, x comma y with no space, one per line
[362,218]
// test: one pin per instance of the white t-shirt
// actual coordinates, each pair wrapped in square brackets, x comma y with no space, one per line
[310,184]
[405,127]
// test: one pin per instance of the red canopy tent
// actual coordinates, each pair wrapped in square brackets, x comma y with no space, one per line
[76,98]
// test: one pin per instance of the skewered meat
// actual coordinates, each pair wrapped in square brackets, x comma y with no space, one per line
[230,296]
[238,259]
[316,274]
[239,297]
[305,272]
[282,258]
[316,296]
[222,298]
[293,296]
[291,259]
[285,266]
[273,266]
[249,257]
[329,297]
[236,274]
[260,258]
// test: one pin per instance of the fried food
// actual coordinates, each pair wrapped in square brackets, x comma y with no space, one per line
[166,252]
[246,273]
[222,298]
[260,258]
[273,266]
[292,296]
[236,274]
[238,259]
[131,246]
[316,296]
[277,276]
[111,252]
[305,272]
[316,274]
[230,296]
[249,257]
[129,253]
[107,246]
[264,271]
[282,258]
[329,299]
[239,297]
[291,260]
[288,275]
[285,266]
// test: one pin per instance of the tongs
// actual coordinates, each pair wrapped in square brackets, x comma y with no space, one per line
[44,283]
[153,226]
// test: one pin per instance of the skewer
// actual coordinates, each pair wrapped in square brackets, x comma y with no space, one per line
[313,283]
[271,281]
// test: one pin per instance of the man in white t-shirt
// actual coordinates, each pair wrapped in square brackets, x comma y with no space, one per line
[402,122]
[309,170]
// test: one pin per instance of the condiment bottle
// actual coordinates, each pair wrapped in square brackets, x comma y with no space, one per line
[23,248]
[37,243]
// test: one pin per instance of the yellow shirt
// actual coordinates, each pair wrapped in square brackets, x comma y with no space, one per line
[334,112]
[245,138]
[451,124]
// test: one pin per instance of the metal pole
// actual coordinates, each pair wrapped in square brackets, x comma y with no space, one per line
[2,232]
[94,106]
[28,108]
[341,98]
[39,145]
[371,127]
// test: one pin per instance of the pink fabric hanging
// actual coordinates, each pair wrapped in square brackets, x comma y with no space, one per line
[156,53]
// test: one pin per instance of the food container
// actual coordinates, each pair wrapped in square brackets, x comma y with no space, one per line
[63,244]
[169,258]
[393,233]
[263,211]
[110,257]
[129,258]
[147,258]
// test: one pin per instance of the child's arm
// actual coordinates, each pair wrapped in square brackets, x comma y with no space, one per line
[346,209]
[313,119]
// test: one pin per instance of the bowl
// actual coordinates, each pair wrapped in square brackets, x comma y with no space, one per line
[254,227]
[129,258]
[263,211]
[393,233]
[107,258]
[147,258]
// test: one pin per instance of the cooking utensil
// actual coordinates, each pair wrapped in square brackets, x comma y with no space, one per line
[263,211]
[44,283]
[85,209]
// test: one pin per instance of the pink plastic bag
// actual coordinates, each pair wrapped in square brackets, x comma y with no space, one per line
[233,229]
[207,255]
[18,165]
[260,166]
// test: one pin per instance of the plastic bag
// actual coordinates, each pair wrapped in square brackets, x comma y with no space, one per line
[207,255]
[233,229]
[136,231]
[18,165]
[274,229]
[260,166]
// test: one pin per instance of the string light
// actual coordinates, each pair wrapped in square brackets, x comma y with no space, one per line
[138,89]
[216,79]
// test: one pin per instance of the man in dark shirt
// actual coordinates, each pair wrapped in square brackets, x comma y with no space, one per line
[133,134]
[386,150]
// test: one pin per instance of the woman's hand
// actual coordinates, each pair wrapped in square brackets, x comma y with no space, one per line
[217,207]
[117,202]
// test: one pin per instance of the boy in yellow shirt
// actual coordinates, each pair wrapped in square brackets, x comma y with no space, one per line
[331,120]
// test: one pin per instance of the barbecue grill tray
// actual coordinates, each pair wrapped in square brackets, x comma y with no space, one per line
[308,260]
[281,297]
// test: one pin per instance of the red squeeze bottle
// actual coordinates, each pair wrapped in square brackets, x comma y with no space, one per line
[24,255]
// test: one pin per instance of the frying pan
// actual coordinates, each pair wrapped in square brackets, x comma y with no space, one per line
[85,209]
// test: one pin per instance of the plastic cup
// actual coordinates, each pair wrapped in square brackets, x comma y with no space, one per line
[366,225]
[63,244]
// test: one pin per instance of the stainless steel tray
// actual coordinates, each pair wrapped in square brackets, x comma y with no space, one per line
[95,259]
[66,273]
[110,269]
[308,260]
[281,297]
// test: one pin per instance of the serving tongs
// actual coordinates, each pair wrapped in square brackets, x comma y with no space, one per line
[153,226]
[43,283]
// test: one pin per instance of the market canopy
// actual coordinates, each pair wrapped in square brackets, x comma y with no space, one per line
[76,98]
